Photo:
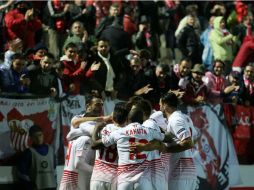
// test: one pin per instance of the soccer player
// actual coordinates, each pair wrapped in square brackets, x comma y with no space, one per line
[177,157]
[94,112]
[78,164]
[182,174]
[80,157]
[105,167]
[154,121]
[134,171]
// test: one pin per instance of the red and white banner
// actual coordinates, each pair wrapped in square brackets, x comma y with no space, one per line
[240,119]
[214,154]
[70,107]
[16,118]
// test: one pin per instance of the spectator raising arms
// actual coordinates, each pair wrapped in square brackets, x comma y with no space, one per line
[21,22]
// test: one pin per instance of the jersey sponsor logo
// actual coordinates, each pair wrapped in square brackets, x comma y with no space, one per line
[137,155]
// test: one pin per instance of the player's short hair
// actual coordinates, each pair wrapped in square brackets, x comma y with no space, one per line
[34,129]
[120,113]
[92,99]
[145,106]
[133,100]
[136,115]
[170,99]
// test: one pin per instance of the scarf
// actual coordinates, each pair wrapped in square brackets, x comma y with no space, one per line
[110,74]
[219,83]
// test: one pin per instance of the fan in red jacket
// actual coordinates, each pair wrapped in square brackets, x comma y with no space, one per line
[21,22]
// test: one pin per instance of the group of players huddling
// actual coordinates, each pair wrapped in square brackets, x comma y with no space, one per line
[136,147]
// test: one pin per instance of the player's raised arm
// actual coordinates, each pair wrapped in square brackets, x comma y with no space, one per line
[77,121]
[94,112]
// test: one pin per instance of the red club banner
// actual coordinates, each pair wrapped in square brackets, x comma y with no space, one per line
[16,118]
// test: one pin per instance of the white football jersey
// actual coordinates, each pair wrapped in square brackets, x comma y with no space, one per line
[72,177]
[105,167]
[158,172]
[181,164]
[133,166]
[84,128]
[160,120]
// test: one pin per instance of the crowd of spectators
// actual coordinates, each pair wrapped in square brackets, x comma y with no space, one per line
[112,49]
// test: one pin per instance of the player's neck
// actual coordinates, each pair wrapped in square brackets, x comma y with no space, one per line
[169,112]
[119,125]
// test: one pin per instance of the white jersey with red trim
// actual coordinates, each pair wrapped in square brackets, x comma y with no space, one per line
[84,128]
[133,166]
[105,166]
[160,120]
[181,165]
[72,177]
[158,172]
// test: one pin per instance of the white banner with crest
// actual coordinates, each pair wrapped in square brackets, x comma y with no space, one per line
[16,118]
[70,107]
[215,156]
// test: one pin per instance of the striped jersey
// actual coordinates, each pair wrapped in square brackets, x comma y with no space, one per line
[133,166]
[72,177]
[181,165]
[105,166]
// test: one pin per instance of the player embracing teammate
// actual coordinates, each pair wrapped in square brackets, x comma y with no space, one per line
[143,150]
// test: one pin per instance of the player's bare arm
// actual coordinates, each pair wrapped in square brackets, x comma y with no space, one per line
[179,147]
[169,137]
[77,121]
[96,139]
[152,145]
[81,164]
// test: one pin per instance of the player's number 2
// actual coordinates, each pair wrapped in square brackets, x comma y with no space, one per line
[137,155]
